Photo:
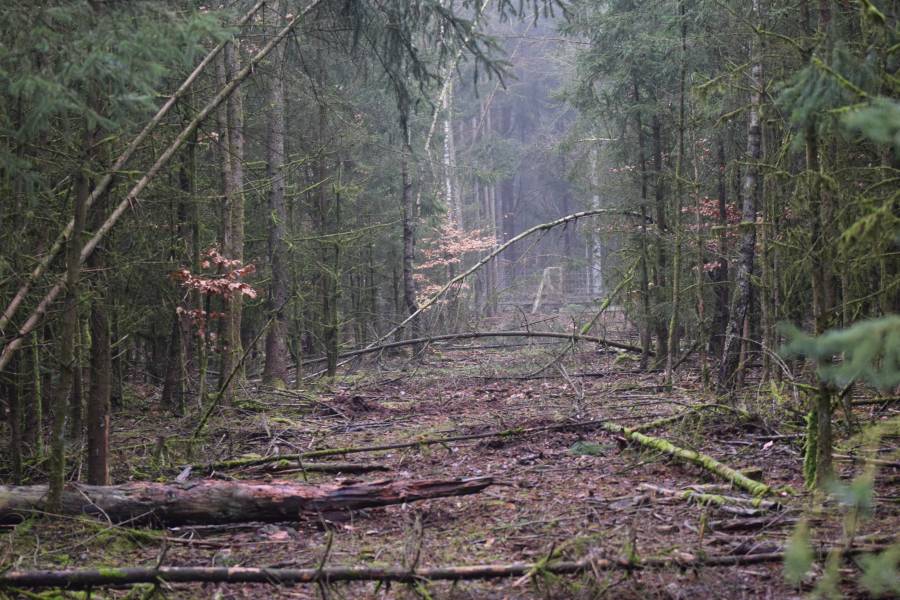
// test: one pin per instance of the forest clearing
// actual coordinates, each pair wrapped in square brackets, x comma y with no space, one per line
[450,299]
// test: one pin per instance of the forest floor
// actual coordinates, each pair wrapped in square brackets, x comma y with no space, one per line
[553,495]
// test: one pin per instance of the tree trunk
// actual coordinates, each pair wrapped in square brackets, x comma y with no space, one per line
[644,268]
[409,228]
[99,393]
[719,274]
[741,303]
[234,215]
[34,418]
[212,501]
[10,389]
[67,355]
[672,344]
[275,372]
[99,398]
[662,337]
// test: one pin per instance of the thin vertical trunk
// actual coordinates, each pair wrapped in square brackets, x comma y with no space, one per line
[818,462]
[34,429]
[660,251]
[101,368]
[172,397]
[644,266]
[275,371]
[751,192]
[234,246]
[719,274]
[672,346]
[98,421]
[76,397]
[67,356]
[11,389]
[409,227]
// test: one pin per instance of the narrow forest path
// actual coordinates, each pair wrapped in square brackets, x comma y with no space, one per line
[576,493]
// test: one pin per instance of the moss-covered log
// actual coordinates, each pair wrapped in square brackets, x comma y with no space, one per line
[214,501]
[713,499]
[708,463]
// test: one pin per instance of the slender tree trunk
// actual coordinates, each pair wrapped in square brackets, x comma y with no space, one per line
[234,246]
[275,371]
[409,228]
[76,397]
[720,273]
[98,421]
[672,345]
[660,254]
[67,355]
[34,430]
[172,397]
[11,390]
[101,368]
[646,317]
[752,188]
[818,463]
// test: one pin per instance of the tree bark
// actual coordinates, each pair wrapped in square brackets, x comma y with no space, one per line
[234,212]
[409,228]
[646,317]
[212,501]
[719,275]
[99,397]
[672,343]
[275,371]
[67,355]
[741,302]
[659,325]
[98,402]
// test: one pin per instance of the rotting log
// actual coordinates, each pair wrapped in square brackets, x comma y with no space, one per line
[211,501]
[705,461]
[86,578]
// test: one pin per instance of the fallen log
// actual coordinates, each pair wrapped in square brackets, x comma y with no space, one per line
[708,463]
[296,466]
[506,433]
[86,578]
[713,499]
[211,501]
[574,337]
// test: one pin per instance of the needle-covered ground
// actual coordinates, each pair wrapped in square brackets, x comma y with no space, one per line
[563,494]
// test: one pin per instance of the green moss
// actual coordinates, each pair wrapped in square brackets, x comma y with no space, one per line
[111,572]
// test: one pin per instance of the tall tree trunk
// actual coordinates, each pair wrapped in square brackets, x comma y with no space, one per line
[275,371]
[719,274]
[234,241]
[646,317]
[67,355]
[672,345]
[101,368]
[34,417]
[661,261]
[409,227]
[818,464]
[98,421]
[11,391]
[752,188]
